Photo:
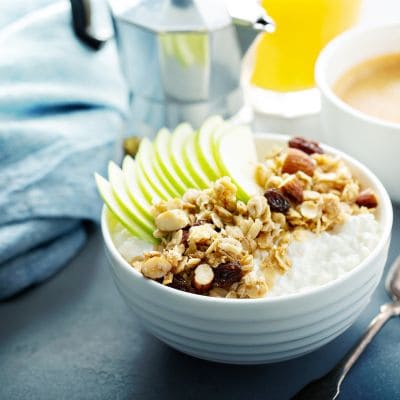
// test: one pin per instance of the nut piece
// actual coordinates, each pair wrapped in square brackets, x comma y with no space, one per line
[171,220]
[203,278]
[277,201]
[156,267]
[296,160]
[367,198]
[309,210]
[308,146]
[292,188]
[227,274]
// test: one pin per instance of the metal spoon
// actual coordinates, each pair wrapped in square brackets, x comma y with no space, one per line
[328,387]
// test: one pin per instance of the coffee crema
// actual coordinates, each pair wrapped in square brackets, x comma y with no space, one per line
[373,87]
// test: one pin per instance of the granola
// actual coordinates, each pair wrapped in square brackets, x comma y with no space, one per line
[209,239]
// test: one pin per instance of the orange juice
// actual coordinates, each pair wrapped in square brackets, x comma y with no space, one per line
[284,60]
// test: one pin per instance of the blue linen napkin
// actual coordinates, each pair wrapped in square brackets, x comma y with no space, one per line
[62,108]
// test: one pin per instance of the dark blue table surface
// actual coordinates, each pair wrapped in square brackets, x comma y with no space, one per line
[74,338]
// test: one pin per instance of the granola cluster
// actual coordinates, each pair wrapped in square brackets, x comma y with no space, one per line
[209,239]
[320,187]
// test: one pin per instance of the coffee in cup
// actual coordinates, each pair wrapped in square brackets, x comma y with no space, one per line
[373,87]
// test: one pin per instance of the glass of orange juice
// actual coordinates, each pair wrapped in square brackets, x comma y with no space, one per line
[280,76]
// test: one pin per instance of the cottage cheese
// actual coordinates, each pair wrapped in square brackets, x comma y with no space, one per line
[319,259]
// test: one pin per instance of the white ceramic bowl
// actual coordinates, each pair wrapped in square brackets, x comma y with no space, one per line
[252,331]
[374,142]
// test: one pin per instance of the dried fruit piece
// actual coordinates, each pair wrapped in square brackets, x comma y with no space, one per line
[180,283]
[156,267]
[203,278]
[308,146]
[185,236]
[171,220]
[367,198]
[296,160]
[277,201]
[293,188]
[227,274]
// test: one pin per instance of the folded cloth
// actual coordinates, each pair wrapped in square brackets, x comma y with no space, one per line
[62,109]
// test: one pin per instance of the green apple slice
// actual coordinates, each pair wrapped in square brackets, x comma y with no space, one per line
[178,138]
[236,157]
[159,168]
[165,182]
[129,171]
[161,145]
[203,141]
[109,199]
[118,185]
[221,130]
[145,162]
[192,163]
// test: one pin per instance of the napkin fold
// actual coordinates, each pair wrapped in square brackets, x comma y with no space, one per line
[62,109]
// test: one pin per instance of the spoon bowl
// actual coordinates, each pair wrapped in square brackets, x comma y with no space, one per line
[392,283]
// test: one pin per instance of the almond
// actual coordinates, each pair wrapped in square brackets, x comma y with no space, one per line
[203,278]
[171,220]
[293,188]
[156,267]
[296,160]
[367,198]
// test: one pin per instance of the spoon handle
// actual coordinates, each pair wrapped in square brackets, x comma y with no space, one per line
[386,312]
[328,387]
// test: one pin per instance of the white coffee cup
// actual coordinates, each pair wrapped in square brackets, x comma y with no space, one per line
[373,141]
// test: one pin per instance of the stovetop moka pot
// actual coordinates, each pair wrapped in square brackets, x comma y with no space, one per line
[181,58]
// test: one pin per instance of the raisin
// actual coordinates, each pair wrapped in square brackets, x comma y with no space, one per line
[185,236]
[307,146]
[180,283]
[277,201]
[227,273]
